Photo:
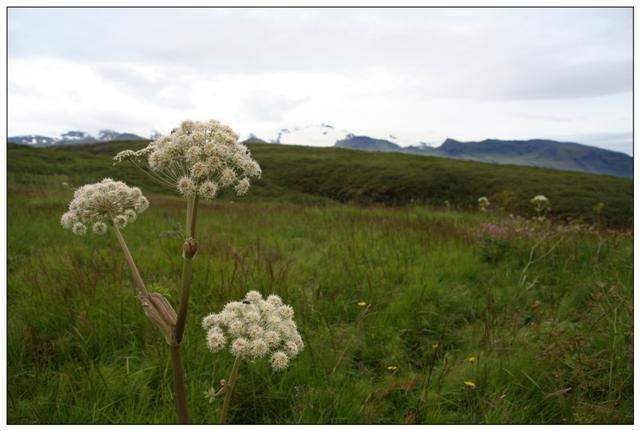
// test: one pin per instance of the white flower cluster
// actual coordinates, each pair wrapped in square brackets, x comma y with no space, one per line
[541,202]
[540,199]
[256,328]
[198,159]
[105,201]
[483,203]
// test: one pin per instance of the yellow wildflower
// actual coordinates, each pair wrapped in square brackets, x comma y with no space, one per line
[436,346]
[469,384]
[361,303]
[472,359]
[392,368]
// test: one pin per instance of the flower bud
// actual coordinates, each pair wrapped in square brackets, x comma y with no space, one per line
[189,248]
[162,314]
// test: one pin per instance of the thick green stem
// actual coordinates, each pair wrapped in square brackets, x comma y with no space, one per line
[187,271]
[142,290]
[230,385]
[189,250]
[179,385]
[191,232]
[189,211]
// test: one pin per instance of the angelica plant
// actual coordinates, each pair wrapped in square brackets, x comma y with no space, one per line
[541,206]
[197,160]
[483,203]
[253,328]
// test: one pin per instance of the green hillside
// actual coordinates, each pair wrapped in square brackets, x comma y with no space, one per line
[326,175]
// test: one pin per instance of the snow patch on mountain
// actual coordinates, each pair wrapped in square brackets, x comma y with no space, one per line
[401,140]
[73,137]
[323,135]
[31,140]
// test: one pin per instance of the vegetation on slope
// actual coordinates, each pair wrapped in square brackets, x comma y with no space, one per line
[318,175]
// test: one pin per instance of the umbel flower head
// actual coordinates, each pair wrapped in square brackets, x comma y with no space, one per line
[540,201]
[483,203]
[255,328]
[197,159]
[541,204]
[99,203]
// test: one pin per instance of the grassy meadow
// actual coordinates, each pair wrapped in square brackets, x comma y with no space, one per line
[412,312]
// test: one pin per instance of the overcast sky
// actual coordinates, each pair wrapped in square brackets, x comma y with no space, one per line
[420,74]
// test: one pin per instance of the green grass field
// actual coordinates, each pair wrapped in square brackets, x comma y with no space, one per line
[542,325]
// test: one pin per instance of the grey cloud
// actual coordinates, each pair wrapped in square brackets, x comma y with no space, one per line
[165,88]
[20,90]
[543,81]
[575,81]
[554,118]
[269,106]
[453,41]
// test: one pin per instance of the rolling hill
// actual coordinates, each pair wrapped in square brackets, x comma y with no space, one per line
[334,175]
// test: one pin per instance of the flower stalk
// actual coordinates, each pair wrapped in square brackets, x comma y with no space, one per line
[179,385]
[189,250]
[228,389]
[137,278]
[158,309]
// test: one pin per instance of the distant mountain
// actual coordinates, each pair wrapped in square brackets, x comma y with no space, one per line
[365,143]
[568,156]
[323,135]
[35,140]
[253,139]
[535,152]
[111,135]
[73,137]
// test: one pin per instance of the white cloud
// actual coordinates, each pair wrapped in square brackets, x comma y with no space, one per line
[423,73]
[57,95]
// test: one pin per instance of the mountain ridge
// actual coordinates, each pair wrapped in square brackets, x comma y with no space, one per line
[73,137]
[544,153]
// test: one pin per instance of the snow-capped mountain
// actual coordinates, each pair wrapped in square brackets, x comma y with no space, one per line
[73,137]
[325,135]
[35,140]
[111,135]
[322,135]
[403,141]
